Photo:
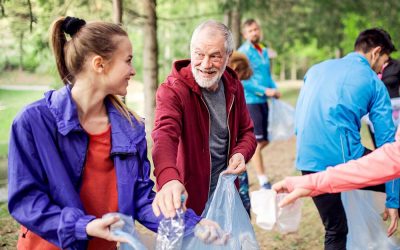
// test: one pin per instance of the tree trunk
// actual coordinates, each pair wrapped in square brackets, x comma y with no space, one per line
[117,11]
[282,76]
[293,69]
[150,62]
[235,24]
[117,18]
[228,18]
[21,51]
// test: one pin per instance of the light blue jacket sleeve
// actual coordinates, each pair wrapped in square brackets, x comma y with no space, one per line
[252,87]
[380,115]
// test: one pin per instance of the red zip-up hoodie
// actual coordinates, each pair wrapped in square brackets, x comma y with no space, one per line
[181,133]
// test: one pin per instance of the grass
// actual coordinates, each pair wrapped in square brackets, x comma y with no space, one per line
[11,102]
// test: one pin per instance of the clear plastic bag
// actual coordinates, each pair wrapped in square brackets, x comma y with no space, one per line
[227,210]
[170,232]
[125,228]
[366,228]
[270,216]
[288,217]
[280,121]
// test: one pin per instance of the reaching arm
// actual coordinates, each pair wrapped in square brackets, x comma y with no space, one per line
[381,165]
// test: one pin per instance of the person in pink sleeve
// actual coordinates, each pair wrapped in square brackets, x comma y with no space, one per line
[355,174]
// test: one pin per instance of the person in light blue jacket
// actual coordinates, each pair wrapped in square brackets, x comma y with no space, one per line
[257,89]
[335,96]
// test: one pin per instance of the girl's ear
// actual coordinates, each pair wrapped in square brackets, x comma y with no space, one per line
[97,64]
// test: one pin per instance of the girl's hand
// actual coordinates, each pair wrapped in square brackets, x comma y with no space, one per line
[280,187]
[100,228]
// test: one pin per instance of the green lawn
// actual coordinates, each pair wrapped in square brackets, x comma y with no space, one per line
[11,102]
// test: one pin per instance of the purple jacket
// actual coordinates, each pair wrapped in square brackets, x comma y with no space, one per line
[47,155]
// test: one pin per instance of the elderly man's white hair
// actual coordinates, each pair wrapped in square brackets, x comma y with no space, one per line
[218,27]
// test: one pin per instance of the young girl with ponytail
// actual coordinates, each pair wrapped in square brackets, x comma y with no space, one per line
[79,152]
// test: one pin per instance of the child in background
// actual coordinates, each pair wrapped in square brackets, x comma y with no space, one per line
[79,152]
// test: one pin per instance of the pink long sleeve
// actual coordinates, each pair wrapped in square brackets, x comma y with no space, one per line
[377,167]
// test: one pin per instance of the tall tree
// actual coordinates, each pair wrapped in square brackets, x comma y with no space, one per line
[117,11]
[150,61]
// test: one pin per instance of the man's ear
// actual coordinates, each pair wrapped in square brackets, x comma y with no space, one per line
[97,64]
[375,52]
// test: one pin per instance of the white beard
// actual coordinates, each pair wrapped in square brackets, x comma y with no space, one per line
[207,82]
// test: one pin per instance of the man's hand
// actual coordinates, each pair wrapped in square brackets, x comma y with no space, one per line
[280,187]
[168,199]
[100,228]
[272,93]
[237,164]
[394,218]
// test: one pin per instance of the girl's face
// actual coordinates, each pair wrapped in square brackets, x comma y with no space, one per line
[119,69]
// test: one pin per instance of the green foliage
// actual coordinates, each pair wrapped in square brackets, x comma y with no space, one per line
[305,31]
[11,102]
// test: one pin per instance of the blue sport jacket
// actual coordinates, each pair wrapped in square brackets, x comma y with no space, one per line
[255,86]
[47,154]
[335,96]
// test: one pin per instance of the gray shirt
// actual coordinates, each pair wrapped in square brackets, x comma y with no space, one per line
[219,134]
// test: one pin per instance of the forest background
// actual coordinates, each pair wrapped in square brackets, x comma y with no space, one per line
[298,33]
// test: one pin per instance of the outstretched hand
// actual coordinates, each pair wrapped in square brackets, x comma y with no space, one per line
[393,214]
[281,187]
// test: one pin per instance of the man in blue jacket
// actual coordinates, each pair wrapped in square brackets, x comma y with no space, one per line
[335,95]
[257,89]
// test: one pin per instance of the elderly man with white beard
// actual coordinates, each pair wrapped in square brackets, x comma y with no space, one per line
[202,126]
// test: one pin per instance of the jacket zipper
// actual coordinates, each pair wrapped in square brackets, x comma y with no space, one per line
[25,233]
[209,154]
[229,131]
[84,162]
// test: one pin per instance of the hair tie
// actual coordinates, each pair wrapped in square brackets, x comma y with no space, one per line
[71,25]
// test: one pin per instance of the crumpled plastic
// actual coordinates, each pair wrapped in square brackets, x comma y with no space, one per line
[226,209]
[170,232]
[366,228]
[281,118]
[125,228]
[269,216]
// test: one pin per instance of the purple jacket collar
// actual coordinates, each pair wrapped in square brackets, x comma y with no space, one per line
[124,137]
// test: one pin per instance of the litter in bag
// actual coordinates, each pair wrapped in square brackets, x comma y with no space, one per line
[226,209]
[366,228]
[170,232]
[280,121]
[270,216]
[125,228]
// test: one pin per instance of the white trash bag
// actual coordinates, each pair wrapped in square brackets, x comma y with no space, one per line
[280,121]
[367,231]
[270,216]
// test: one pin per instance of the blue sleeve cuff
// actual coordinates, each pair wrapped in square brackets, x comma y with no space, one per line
[191,220]
[80,227]
[392,193]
